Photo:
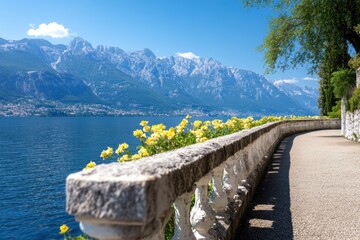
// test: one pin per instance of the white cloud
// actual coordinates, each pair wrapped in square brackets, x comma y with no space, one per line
[293,80]
[309,79]
[188,55]
[52,29]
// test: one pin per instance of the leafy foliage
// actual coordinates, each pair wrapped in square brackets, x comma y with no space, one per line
[343,82]
[309,32]
[354,101]
[316,33]
[336,110]
[354,62]
[327,98]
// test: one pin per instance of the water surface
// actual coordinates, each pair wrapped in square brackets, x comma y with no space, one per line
[36,156]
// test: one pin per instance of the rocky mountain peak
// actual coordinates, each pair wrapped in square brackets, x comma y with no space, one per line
[79,46]
[141,80]
[145,53]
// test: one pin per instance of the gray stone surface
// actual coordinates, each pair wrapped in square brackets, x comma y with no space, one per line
[134,198]
[311,191]
[352,125]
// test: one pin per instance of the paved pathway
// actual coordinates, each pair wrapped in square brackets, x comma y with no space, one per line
[311,191]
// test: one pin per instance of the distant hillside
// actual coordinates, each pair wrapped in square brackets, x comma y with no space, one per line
[307,96]
[137,81]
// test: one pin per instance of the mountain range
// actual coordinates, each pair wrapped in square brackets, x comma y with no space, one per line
[40,78]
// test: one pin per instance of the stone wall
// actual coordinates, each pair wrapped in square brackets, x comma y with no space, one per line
[134,200]
[352,125]
[350,121]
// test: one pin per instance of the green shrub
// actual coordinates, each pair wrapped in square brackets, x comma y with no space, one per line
[336,110]
[343,82]
[354,101]
[354,62]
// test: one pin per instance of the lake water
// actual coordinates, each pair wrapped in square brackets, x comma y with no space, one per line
[36,155]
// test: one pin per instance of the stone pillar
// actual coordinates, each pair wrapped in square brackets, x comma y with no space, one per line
[343,115]
[182,218]
[202,217]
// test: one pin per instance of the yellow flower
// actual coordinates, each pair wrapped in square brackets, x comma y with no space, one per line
[180,128]
[184,122]
[91,164]
[158,128]
[230,123]
[198,133]
[203,139]
[156,135]
[124,158]
[197,123]
[248,120]
[146,128]
[188,116]
[204,128]
[217,123]
[139,134]
[207,123]
[64,229]
[122,147]
[135,156]
[170,134]
[247,125]
[143,152]
[107,153]
[150,141]
[144,123]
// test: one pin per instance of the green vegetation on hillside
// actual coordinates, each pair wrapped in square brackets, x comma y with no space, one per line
[18,60]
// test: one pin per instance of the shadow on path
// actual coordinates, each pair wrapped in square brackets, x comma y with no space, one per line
[269,216]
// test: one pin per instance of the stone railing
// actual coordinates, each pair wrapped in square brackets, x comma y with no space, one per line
[351,129]
[135,200]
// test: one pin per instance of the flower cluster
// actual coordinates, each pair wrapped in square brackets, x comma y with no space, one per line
[91,164]
[107,153]
[158,138]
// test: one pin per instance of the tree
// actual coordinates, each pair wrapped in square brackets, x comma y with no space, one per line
[343,82]
[335,58]
[317,33]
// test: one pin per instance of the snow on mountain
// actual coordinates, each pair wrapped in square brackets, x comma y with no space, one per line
[188,55]
[306,96]
[184,81]
[79,46]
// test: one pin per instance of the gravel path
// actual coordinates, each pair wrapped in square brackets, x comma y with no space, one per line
[311,191]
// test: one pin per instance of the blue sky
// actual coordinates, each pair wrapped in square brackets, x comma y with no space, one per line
[221,29]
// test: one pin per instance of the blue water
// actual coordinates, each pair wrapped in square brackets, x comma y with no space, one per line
[36,155]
